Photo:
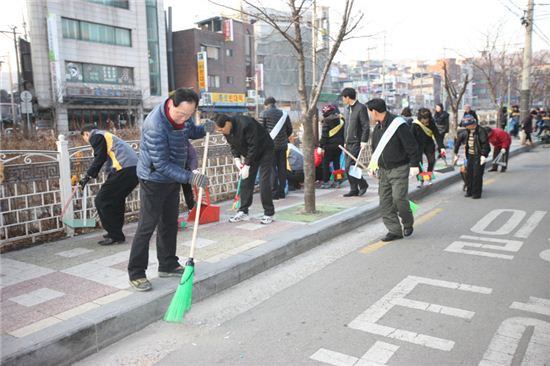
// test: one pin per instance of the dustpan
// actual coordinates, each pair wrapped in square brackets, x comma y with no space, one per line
[208,212]
[84,221]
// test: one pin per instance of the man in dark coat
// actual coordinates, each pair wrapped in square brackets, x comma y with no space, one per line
[270,118]
[249,139]
[476,150]
[332,136]
[398,160]
[357,130]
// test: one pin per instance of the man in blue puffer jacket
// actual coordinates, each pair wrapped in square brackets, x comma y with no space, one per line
[161,170]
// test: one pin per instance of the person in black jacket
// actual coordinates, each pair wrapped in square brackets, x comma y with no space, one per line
[249,139]
[120,160]
[270,118]
[332,136]
[426,134]
[357,130]
[441,120]
[399,159]
[477,149]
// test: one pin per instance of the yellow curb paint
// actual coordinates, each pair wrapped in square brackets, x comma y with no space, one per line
[379,244]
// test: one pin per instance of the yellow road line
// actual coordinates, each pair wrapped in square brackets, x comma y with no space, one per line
[379,244]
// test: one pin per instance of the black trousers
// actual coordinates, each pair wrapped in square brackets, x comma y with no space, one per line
[295,178]
[354,183]
[496,151]
[110,201]
[279,170]
[474,176]
[158,210]
[247,185]
[188,195]
[429,151]
[332,154]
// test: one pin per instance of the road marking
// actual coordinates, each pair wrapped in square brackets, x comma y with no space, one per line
[379,244]
[530,224]
[505,342]
[545,254]
[367,321]
[481,226]
[534,305]
[378,355]
[509,246]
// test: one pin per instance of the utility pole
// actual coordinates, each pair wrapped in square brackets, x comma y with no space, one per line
[16,57]
[527,21]
[11,92]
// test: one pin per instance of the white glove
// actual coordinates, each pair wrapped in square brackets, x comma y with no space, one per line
[442,152]
[455,159]
[503,151]
[245,171]
[482,160]
[363,145]
[319,151]
[414,171]
[238,163]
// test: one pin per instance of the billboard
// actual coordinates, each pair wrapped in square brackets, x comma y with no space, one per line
[228,30]
[202,70]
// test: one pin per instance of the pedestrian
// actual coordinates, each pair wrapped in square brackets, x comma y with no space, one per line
[406,113]
[476,146]
[357,130]
[187,188]
[527,127]
[501,141]
[398,157]
[120,164]
[295,166]
[513,121]
[161,170]
[427,135]
[332,136]
[253,149]
[502,118]
[278,125]
[441,120]
[469,111]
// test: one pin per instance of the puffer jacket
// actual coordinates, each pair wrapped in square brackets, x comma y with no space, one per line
[329,123]
[269,119]
[164,150]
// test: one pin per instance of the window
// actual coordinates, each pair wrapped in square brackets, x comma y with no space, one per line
[123,4]
[229,52]
[213,52]
[153,46]
[100,74]
[229,80]
[214,81]
[94,32]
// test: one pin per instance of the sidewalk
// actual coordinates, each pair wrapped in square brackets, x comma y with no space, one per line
[64,300]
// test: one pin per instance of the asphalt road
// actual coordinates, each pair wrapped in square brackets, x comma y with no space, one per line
[470,287]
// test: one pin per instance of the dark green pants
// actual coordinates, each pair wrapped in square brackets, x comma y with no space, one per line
[393,189]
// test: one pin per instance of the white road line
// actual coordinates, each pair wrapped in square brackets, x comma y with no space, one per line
[367,321]
[530,224]
[378,355]
[534,305]
[457,247]
[510,245]
[333,358]
[481,226]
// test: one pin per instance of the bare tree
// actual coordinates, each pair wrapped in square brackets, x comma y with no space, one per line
[455,92]
[540,78]
[290,27]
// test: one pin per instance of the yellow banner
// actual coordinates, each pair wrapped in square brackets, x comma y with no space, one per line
[201,70]
[228,98]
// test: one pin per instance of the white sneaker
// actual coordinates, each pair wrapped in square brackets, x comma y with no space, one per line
[240,216]
[266,220]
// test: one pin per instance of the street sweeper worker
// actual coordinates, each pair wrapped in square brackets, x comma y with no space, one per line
[426,135]
[332,136]
[395,157]
[120,161]
[161,171]
[501,141]
[476,150]
[252,149]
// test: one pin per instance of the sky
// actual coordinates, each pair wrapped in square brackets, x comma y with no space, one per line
[402,29]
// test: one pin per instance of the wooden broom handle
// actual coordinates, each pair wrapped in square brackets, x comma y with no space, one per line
[353,157]
[199,200]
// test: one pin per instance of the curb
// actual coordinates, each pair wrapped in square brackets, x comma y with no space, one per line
[83,335]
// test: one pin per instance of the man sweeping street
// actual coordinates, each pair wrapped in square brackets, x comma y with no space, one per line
[161,170]
[249,139]
[120,164]
[396,157]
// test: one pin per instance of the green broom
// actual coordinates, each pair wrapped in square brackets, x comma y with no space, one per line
[181,302]
[414,207]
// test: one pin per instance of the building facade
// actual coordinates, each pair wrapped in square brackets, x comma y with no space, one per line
[97,61]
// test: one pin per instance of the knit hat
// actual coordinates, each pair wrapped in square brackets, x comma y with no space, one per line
[468,120]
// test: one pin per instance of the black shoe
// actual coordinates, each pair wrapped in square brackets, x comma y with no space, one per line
[468,195]
[493,169]
[363,190]
[109,241]
[351,194]
[407,231]
[391,237]
[476,197]
[502,170]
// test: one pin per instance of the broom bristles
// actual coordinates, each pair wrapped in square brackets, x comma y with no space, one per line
[181,301]
[414,207]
